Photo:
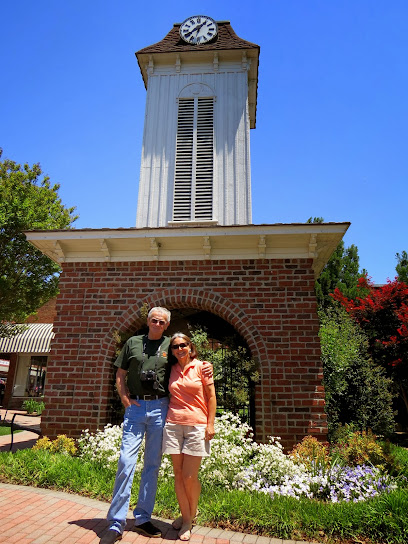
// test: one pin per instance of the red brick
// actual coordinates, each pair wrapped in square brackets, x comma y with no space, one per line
[271,303]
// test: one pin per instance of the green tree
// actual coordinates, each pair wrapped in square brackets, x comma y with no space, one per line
[28,278]
[383,316]
[358,391]
[341,271]
[402,266]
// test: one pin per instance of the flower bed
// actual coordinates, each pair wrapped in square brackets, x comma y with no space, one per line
[238,462]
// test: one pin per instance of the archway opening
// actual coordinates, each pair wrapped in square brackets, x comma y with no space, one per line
[235,371]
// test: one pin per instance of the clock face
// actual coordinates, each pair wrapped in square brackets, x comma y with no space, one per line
[198,29]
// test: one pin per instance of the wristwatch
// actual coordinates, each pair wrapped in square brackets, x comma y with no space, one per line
[198,29]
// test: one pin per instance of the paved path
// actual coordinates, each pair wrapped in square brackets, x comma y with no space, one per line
[23,439]
[31,515]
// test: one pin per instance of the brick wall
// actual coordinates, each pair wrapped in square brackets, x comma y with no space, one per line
[270,303]
[45,314]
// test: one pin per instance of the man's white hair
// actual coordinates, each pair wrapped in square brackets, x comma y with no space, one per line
[164,311]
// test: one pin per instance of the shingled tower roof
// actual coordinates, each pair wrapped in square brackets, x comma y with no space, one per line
[225,39]
[226,44]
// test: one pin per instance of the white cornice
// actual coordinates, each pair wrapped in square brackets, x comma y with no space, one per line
[288,241]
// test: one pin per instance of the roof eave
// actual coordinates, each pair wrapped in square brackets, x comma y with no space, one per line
[316,241]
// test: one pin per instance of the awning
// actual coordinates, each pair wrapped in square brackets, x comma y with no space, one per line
[35,339]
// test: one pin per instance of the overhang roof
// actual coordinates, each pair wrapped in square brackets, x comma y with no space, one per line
[190,243]
[226,46]
[225,39]
[36,338]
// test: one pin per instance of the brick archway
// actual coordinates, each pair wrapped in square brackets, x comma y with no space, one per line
[199,299]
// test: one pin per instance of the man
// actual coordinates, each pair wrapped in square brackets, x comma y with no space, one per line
[142,382]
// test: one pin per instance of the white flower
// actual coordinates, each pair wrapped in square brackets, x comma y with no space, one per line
[237,462]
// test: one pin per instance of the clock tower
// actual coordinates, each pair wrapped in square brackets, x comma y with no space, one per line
[201,82]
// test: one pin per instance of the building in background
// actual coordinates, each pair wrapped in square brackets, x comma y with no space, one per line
[25,357]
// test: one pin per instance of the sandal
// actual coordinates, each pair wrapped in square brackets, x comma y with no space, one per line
[185,532]
[178,522]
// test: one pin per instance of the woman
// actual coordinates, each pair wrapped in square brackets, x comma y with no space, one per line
[189,426]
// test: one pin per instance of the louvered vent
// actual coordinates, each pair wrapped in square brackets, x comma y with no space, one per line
[204,159]
[194,160]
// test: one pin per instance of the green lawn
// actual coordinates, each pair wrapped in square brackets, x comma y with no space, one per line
[5,429]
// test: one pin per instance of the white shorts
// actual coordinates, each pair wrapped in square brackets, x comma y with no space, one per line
[188,439]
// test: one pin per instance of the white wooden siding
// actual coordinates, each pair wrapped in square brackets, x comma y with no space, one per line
[231,184]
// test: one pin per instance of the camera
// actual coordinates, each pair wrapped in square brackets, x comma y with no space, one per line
[149,376]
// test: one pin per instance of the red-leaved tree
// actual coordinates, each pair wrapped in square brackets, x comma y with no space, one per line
[383,316]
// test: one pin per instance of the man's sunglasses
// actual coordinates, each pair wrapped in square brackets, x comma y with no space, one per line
[158,321]
[179,346]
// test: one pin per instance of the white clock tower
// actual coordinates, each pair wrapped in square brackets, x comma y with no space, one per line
[201,82]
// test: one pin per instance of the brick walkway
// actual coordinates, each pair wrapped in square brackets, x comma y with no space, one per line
[30,515]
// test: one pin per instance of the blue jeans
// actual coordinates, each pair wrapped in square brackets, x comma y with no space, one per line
[147,419]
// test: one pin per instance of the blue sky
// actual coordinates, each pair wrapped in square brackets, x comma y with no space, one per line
[332,118]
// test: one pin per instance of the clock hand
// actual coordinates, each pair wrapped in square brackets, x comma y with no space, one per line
[187,34]
[199,26]
[195,29]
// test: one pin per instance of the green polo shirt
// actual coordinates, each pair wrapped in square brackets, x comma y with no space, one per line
[139,353]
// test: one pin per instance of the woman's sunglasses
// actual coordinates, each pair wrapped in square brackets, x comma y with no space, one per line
[179,346]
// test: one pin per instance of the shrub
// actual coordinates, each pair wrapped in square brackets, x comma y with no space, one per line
[311,453]
[102,446]
[358,448]
[32,405]
[43,443]
[231,448]
[62,444]
[357,391]
[383,316]
[233,451]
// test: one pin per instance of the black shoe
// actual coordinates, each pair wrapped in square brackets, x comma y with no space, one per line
[148,529]
[110,537]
